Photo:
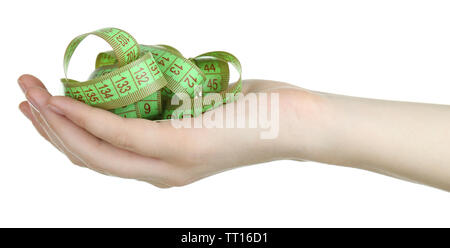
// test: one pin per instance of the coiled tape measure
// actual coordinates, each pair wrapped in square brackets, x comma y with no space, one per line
[139,81]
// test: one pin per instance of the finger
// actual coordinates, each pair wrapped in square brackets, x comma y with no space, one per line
[27,81]
[25,109]
[138,135]
[55,140]
[35,118]
[96,153]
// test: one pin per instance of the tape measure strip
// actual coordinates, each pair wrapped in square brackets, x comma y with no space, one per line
[125,47]
[137,81]
[182,75]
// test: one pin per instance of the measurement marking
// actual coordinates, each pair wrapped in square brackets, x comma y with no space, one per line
[130,48]
[160,54]
[82,91]
[132,76]
[170,65]
[99,93]
[116,34]
[70,90]
[136,108]
[148,68]
[185,75]
[115,86]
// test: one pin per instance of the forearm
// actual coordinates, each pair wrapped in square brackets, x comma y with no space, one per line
[406,140]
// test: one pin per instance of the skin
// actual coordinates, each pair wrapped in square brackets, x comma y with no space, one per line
[404,140]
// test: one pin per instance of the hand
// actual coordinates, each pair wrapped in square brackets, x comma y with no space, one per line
[159,153]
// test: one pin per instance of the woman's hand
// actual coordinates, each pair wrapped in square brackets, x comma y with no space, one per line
[405,140]
[159,153]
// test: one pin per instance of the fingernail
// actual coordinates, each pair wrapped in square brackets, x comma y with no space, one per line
[19,81]
[21,108]
[37,97]
[55,109]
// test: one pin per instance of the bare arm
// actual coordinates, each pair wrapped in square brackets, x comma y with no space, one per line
[402,139]
[405,140]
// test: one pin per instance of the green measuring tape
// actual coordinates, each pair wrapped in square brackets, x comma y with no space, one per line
[139,81]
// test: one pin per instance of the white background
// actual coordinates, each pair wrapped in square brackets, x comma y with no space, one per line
[397,50]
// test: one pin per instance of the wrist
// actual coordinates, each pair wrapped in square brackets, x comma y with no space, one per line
[305,120]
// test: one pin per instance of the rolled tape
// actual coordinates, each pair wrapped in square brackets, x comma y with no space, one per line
[139,81]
